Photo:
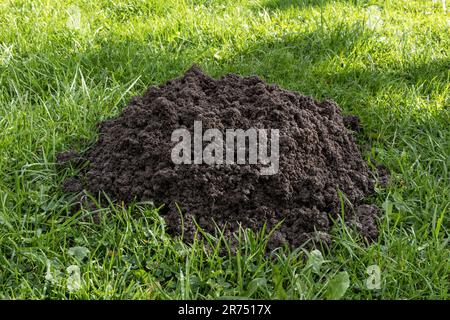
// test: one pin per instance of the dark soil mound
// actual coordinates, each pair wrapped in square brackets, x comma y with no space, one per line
[318,160]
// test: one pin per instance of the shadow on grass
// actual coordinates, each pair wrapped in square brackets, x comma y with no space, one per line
[321,63]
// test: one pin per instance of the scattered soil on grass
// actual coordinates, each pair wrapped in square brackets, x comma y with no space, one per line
[353,123]
[319,166]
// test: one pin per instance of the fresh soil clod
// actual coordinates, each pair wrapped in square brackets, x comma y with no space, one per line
[69,157]
[131,160]
[353,123]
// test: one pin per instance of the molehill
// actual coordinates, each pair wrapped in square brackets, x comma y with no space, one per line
[320,166]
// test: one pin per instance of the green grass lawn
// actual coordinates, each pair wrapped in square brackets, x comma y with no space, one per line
[65,66]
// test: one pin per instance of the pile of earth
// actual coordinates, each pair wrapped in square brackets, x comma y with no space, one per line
[320,166]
